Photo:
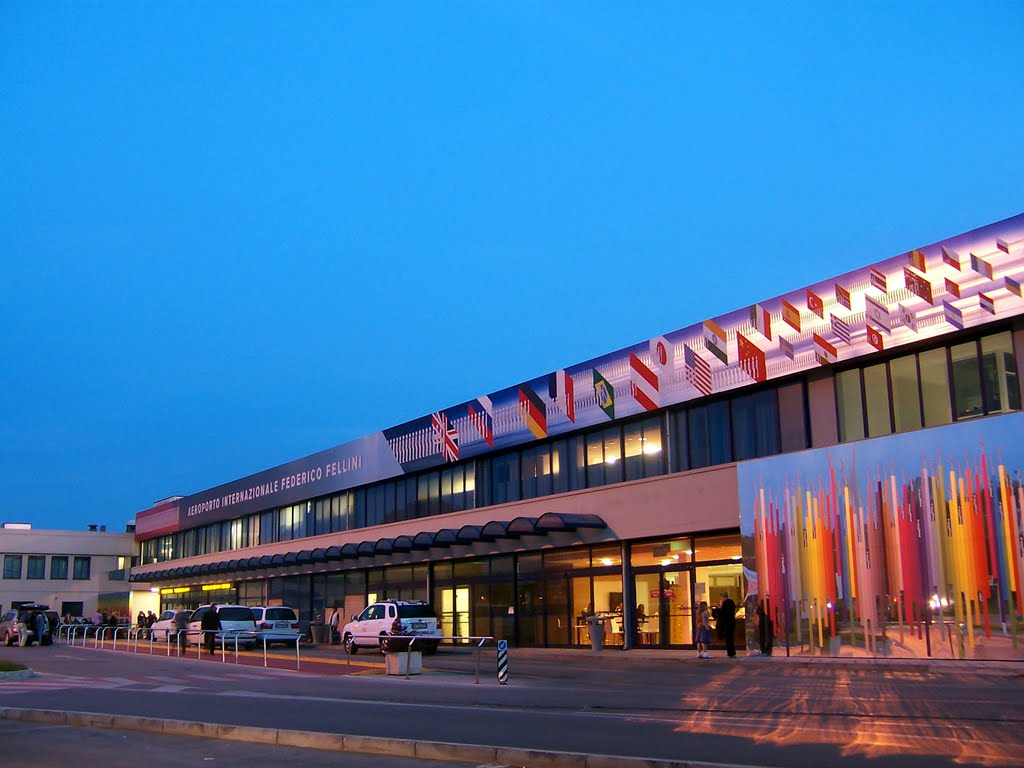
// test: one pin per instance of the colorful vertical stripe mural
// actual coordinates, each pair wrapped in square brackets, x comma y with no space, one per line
[910,544]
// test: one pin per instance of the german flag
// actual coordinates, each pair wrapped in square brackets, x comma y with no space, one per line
[534,414]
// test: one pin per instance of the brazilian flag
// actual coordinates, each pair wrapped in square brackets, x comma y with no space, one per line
[605,394]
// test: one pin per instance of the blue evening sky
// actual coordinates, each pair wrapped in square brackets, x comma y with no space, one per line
[233,234]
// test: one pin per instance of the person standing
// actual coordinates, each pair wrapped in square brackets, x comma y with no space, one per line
[703,637]
[765,630]
[24,627]
[726,624]
[333,625]
[210,623]
[41,626]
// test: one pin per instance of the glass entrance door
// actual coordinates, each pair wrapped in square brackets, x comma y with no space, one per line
[668,612]
[455,612]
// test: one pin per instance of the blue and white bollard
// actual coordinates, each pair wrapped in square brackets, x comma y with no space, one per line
[503,662]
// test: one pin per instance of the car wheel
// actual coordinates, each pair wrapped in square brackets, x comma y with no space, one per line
[350,645]
[8,640]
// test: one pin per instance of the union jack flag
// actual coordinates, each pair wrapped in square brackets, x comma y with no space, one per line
[446,436]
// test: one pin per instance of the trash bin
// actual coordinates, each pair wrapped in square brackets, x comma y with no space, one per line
[316,631]
[596,632]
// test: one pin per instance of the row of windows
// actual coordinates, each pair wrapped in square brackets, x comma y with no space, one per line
[739,427]
[36,568]
[928,389]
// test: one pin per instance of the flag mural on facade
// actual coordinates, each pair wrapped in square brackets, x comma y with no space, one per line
[1013,286]
[841,329]
[643,384]
[824,351]
[481,416]
[563,393]
[981,266]
[909,317]
[952,288]
[604,393]
[918,260]
[787,348]
[815,304]
[953,315]
[752,359]
[446,437]
[791,315]
[843,296]
[715,341]
[987,303]
[533,412]
[876,312]
[878,280]
[698,371]
[761,319]
[917,285]
[663,358]
[875,338]
[912,533]
[951,257]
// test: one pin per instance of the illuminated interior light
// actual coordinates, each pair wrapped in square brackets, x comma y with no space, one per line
[611,460]
[606,561]
[649,449]
[155,590]
[666,562]
[737,557]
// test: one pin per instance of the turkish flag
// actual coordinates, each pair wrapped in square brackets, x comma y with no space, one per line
[815,304]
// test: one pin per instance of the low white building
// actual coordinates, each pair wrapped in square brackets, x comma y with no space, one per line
[74,572]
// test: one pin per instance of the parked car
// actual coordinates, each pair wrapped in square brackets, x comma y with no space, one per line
[406,618]
[236,621]
[169,622]
[9,624]
[276,624]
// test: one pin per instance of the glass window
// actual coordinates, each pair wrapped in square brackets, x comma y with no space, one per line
[82,568]
[559,466]
[36,567]
[850,405]
[595,460]
[700,446]
[906,398]
[506,478]
[59,567]
[642,448]
[717,548]
[12,566]
[577,464]
[934,371]
[767,432]
[605,557]
[966,380]
[876,396]
[612,437]
[566,560]
[680,449]
[434,489]
[720,432]
[661,553]
[529,468]
[743,427]
[999,367]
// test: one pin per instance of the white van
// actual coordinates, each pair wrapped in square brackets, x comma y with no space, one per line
[236,621]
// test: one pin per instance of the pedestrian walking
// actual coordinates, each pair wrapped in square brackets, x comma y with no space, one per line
[333,624]
[210,623]
[765,630]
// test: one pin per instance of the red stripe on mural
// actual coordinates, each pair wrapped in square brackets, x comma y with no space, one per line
[649,376]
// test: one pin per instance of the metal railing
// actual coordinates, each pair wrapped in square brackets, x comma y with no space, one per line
[131,635]
[383,642]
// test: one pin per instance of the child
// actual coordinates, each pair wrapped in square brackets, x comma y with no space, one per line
[703,638]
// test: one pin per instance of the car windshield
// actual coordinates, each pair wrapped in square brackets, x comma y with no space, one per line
[234,614]
[280,614]
[416,612]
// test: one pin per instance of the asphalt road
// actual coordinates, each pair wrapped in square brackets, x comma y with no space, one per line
[763,712]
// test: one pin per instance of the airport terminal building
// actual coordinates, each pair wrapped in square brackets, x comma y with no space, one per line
[846,455]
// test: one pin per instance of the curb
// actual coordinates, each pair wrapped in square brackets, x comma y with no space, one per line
[19,674]
[429,750]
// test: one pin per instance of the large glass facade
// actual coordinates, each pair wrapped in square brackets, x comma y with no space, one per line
[934,387]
